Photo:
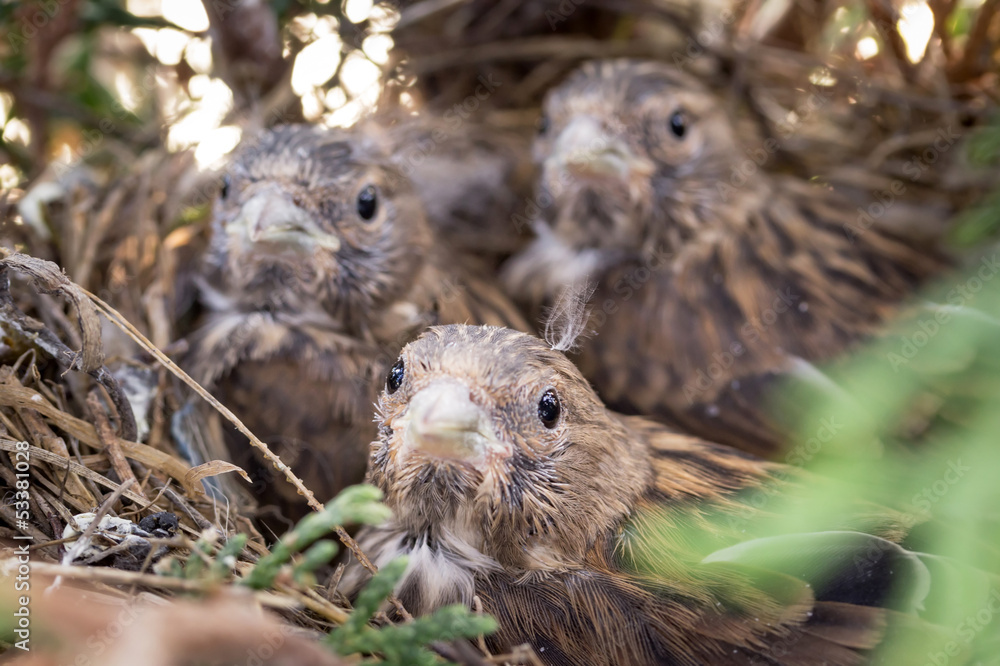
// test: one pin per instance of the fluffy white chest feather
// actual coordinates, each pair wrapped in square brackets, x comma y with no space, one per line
[441,570]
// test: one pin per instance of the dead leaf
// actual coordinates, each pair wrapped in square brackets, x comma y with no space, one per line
[213,468]
[49,279]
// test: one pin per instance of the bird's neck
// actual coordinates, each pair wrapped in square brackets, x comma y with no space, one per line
[443,563]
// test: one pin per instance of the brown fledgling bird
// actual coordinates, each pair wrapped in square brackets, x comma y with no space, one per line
[712,279]
[321,267]
[510,480]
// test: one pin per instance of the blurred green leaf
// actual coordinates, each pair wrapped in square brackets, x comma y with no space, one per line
[978,225]
[960,21]
[356,504]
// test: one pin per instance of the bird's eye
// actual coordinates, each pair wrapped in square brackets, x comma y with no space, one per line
[549,408]
[678,124]
[226,182]
[395,377]
[543,124]
[367,203]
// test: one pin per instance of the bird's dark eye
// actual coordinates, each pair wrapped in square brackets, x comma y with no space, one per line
[226,182]
[678,124]
[367,203]
[395,377]
[549,408]
[543,124]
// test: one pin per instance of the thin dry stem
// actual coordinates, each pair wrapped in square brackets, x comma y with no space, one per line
[117,319]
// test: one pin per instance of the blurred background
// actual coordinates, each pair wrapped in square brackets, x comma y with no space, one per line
[124,110]
[80,77]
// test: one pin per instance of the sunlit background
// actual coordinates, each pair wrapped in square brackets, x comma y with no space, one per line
[201,111]
[199,114]
[336,82]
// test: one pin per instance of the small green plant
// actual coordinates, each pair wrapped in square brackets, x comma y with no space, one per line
[302,550]
[357,504]
[402,644]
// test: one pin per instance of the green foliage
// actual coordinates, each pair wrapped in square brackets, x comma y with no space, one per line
[984,146]
[207,561]
[357,504]
[318,554]
[912,435]
[303,550]
[402,644]
[97,13]
[225,558]
[976,226]
[960,21]
[394,644]
[928,396]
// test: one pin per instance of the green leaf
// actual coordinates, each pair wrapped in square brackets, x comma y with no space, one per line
[356,504]
[406,643]
[319,553]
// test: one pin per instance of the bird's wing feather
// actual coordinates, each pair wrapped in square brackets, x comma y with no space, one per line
[566,613]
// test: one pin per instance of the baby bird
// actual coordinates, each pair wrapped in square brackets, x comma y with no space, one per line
[321,267]
[509,480]
[712,278]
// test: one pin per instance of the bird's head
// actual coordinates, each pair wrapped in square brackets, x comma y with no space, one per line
[628,149]
[490,436]
[317,215]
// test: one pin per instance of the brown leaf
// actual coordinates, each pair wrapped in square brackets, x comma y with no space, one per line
[213,468]
[49,279]
[21,397]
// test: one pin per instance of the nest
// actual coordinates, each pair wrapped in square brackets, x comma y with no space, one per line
[95,301]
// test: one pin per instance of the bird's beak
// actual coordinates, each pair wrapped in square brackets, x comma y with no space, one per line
[585,150]
[444,422]
[269,217]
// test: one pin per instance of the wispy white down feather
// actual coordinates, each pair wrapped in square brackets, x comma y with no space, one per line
[566,321]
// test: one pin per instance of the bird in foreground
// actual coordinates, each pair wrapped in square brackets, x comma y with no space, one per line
[712,279]
[599,538]
[321,267]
